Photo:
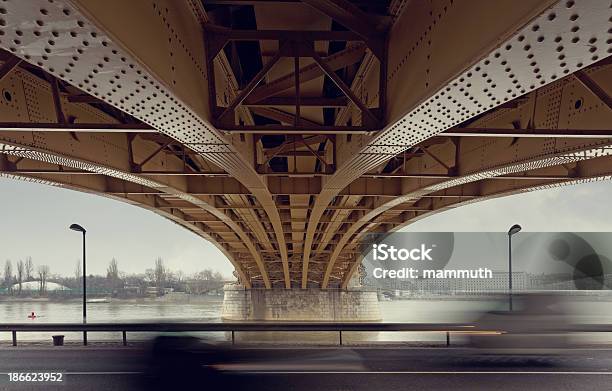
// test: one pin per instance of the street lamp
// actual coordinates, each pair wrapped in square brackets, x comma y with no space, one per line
[78,228]
[513,230]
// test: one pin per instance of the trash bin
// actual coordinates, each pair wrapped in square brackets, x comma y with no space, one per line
[58,340]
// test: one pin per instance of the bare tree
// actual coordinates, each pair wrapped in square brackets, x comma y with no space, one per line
[8,275]
[206,275]
[20,273]
[77,272]
[149,276]
[160,275]
[112,274]
[43,273]
[180,276]
[170,277]
[206,280]
[29,268]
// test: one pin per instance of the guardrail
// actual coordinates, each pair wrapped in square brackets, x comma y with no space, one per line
[124,328]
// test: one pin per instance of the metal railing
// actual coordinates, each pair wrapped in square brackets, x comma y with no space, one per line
[233,328]
[445,328]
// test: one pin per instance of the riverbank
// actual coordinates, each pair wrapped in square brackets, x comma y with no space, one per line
[175,297]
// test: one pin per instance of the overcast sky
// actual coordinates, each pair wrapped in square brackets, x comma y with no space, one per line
[35,218]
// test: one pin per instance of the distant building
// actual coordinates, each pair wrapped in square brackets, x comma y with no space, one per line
[521,282]
[557,281]
[498,283]
[199,287]
[34,286]
[151,291]
[444,286]
[132,289]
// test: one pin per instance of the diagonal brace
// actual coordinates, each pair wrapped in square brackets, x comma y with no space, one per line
[344,88]
[251,86]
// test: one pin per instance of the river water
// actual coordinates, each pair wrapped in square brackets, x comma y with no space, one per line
[209,310]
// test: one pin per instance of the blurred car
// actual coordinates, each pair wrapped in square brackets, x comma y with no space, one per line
[536,325]
[181,361]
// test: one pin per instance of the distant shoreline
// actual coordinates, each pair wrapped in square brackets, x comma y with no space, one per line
[170,299]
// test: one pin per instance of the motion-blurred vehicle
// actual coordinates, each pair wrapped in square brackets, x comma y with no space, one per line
[536,325]
[178,361]
[182,361]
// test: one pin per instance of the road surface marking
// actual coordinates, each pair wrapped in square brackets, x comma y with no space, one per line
[435,372]
[89,373]
[375,373]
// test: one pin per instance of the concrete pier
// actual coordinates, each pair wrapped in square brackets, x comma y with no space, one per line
[310,304]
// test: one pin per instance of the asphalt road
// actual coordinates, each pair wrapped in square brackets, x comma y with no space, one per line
[338,369]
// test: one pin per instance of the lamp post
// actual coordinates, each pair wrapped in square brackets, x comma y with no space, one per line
[78,228]
[513,230]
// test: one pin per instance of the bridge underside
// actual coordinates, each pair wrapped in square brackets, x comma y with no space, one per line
[283,132]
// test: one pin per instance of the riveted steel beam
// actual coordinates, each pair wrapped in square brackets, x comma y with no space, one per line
[61,151]
[99,187]
[75,127]
[503,158]
[592,170]
[442,73]
[8,66]
[40,154]
[164,85]
[449,88]
[535,133]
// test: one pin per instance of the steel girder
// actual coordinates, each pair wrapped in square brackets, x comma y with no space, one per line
[107,154]
[564,103]
[172,190]
[163,85]
[149,204]
[449,86]
[447,64]
[592,170]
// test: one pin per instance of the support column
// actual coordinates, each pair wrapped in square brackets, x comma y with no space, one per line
[310,304]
